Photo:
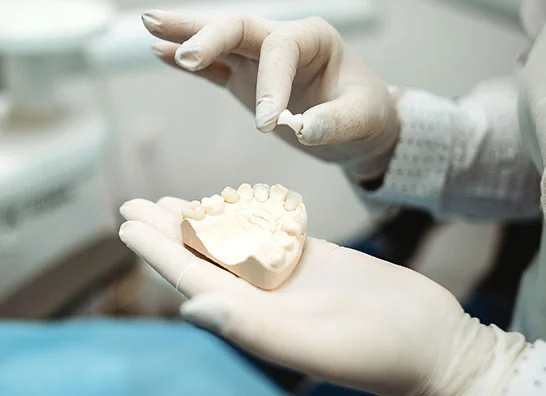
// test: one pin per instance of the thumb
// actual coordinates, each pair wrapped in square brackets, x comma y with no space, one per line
[358,115]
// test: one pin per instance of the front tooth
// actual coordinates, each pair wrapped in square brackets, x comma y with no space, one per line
[245,192]
[261,192]
[291,227]
[293,199]
[193,210]
[214,205]
[277,193]
[230,195]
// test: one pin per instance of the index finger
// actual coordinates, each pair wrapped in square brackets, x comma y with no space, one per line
[172,26]
[300,45]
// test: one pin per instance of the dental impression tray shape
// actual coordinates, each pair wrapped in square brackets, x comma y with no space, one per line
[257,232]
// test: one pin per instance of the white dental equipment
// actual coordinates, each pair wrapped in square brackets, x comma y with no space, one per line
[51,136]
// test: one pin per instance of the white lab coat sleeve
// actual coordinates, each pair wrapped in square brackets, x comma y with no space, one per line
[461,157]
[529,376]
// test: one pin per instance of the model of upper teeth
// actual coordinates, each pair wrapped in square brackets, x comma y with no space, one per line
[256,232]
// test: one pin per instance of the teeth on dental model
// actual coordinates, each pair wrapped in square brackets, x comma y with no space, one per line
[261,192]
[214,205]
[277,193]
[245,192]
[258,235]
[293,199]
[193,210]
[230,195]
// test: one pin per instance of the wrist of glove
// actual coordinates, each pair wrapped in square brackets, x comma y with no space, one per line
[475,360]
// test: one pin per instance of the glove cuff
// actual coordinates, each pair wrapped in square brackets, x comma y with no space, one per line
[480,360]
[529,375]
[498,362]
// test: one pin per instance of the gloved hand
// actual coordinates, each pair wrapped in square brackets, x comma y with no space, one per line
[349,116]
[342,315]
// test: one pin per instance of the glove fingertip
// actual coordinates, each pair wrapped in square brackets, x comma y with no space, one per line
[265,128]
[267,113]
[128,231]
[128,208]
[312,134]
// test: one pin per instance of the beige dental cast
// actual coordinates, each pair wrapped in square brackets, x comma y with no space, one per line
[256,232]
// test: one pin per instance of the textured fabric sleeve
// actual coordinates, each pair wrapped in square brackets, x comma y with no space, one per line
[461,157]
[529,376]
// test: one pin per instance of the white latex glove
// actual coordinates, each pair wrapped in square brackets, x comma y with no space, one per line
[304,66]
[343,316]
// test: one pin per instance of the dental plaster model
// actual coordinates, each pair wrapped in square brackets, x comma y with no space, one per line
[256,232]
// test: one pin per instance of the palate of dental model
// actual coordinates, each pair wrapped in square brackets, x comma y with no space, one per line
[256,232]
[294,121]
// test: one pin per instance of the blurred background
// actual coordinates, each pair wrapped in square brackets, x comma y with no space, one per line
[89,118]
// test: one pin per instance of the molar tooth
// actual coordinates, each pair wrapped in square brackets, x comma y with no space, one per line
[230,195]
[214,205]
[293,199]
[217,199]
[245,192]
[277,193]
[291,227]
[301,218]
[193,210]
[261,192]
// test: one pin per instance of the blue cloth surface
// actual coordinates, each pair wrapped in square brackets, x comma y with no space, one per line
[103,357]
